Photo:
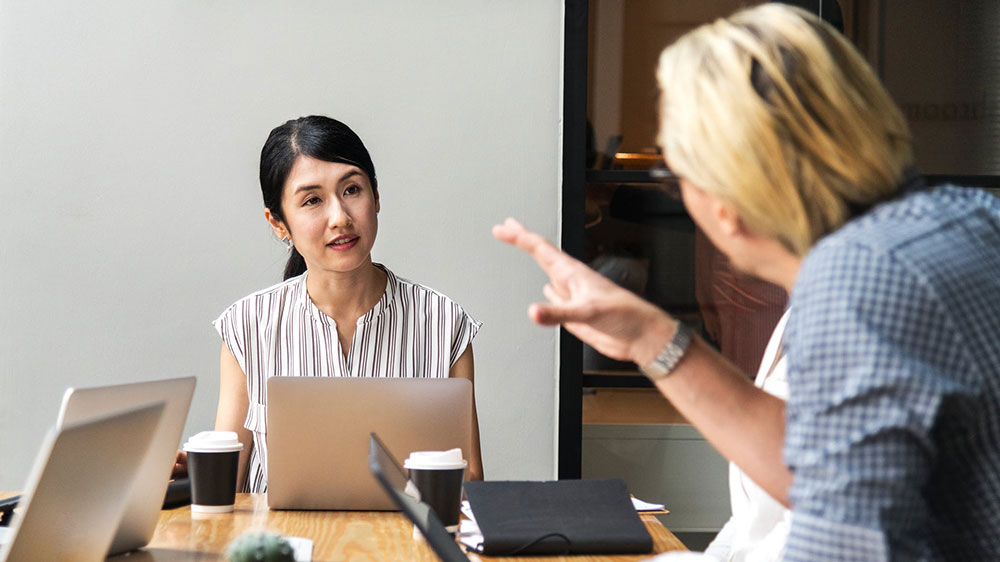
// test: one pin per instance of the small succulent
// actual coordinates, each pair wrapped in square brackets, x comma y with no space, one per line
[260,547]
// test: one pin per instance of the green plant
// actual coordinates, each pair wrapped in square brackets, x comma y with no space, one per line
[260,547]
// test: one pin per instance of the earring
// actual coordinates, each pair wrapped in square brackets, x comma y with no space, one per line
[288,244]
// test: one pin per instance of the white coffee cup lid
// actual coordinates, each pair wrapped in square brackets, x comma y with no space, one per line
[439,460]
[213,442]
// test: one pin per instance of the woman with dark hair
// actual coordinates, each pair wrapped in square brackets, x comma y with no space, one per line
[337,313]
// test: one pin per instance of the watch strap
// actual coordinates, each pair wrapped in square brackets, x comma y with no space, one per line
[670,355]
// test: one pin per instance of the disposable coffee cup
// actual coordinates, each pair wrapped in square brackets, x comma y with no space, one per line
[213,459]
[438,475]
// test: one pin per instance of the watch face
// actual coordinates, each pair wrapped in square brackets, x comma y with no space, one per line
[670,355]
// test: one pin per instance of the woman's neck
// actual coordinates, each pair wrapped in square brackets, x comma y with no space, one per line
[348,295]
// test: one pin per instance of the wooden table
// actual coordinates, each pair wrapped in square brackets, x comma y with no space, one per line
[183,536]
[336,535]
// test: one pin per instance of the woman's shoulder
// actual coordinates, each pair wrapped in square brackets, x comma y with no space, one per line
[275,295]
[411,295]
[402,285]
[420,301]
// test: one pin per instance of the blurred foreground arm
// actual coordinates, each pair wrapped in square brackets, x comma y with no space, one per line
[746,424]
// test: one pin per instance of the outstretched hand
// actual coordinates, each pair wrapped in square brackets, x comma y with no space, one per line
[614,321]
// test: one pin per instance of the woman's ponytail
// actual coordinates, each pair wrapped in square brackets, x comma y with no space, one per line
[296,265]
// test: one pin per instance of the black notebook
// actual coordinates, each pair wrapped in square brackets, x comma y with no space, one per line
[560,517]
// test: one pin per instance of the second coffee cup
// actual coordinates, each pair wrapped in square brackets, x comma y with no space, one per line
[213,459]
[438,475]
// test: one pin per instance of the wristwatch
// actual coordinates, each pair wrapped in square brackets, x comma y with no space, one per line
[670,355]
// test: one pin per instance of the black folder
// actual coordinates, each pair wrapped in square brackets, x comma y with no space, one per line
[560,517]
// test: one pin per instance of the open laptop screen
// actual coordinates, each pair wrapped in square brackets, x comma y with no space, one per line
[145,495]
[78,488]
[341,412]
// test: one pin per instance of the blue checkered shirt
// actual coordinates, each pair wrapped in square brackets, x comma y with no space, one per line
[893,420]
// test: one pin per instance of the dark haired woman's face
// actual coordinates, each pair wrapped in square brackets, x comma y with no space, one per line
[331,214]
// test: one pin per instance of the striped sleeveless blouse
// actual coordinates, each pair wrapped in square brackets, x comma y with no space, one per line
[412,331]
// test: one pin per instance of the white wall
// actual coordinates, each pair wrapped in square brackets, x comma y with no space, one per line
[129,142]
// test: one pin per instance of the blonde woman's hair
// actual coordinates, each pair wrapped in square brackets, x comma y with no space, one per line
[774,111]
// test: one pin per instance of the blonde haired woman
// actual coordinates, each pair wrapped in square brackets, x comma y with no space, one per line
[790,128]
[797,165]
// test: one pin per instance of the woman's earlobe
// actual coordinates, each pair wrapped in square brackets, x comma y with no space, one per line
[276,225]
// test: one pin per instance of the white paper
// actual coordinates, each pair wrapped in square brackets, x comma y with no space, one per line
[640,505]
[467,510]
[302,548]
[470,535]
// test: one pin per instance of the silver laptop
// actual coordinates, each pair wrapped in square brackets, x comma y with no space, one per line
[145,496]
[318,434]
[78,488]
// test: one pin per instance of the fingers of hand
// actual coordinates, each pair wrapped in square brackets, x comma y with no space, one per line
[552,314]
[544,252]
[554,295]
[604,343]
[507,231]
[539,314]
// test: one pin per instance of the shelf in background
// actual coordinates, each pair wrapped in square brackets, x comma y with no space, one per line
[629,406]
[615,379]
[654,175]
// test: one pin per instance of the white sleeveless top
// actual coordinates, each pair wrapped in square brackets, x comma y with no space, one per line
[412,331]
[758,528]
